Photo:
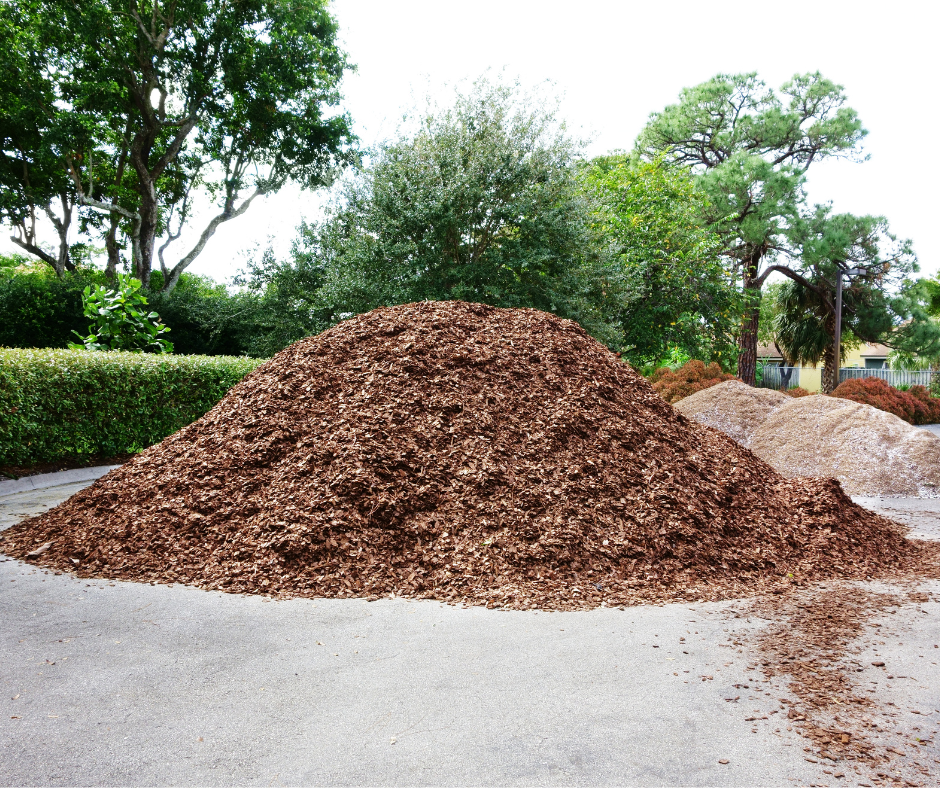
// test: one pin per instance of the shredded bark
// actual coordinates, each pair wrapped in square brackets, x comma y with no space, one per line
[458,452]
[811,652]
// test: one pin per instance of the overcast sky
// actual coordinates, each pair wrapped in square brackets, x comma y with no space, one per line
[615,63]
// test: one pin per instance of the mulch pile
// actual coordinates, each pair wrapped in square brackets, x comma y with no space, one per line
[462,453]
[733,407]
[870,451]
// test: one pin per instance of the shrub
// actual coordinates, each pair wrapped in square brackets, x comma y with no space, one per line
[931,403]
[119,320]
[798,391]
[915,406]
[70,404]
[693,376]
[38,309]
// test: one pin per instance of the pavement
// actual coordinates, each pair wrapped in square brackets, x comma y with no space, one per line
[117,683]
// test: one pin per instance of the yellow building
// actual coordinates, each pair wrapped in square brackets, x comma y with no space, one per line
[866,356]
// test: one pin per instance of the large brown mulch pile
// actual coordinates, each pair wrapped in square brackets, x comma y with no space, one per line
[463,453]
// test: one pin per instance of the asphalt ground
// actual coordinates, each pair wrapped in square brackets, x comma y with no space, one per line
[115,683]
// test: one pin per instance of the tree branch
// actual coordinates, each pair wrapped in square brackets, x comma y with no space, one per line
[183,264]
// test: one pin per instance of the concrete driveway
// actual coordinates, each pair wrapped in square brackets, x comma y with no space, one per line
[113,683]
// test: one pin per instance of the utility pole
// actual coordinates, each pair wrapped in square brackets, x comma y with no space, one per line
[838,334]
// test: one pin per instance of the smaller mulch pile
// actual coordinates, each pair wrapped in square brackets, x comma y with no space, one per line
[869,451]
[733,407]
[463,453]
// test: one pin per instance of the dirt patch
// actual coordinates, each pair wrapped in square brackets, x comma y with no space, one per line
[811,652]
[732,407]
[869,451]
[462,453]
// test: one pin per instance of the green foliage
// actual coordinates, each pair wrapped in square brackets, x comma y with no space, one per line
[478,203]
[120,110]
[932,296]
[120,320]
[878,302]
[749,148]
[57,404]
[663,283]
[800,326]
[39,309]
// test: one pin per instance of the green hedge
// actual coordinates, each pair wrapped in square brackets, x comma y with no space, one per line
[58,404]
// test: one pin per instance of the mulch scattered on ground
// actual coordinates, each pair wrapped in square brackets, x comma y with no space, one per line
[462,453]
[811,651]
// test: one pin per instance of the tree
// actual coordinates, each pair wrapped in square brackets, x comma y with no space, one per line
[663,282]
[750,150]
[479,201]
[152,99]
[874,308]
[33,181]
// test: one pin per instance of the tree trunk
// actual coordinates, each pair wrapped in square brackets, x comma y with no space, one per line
[147,232]
[114,251]
[747,341]
[747,345]
[830,373]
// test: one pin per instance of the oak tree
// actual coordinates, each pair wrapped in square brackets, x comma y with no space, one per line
[151,100]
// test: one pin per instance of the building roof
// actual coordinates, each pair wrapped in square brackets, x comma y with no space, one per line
[875,350]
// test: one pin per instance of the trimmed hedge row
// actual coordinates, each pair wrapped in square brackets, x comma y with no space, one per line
[60,404]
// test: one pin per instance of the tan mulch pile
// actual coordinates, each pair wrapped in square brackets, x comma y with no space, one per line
[463,453]
[870,451]
[732,407]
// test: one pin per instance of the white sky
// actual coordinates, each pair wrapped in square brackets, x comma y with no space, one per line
[615,62]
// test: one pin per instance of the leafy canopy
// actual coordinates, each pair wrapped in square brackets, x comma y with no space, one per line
[749,148]
[663,283]
[144,101]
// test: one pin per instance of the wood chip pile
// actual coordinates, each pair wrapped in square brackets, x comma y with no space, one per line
[870,451]
[463,453]
[733,407]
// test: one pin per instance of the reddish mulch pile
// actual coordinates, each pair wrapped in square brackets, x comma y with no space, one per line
[464,453]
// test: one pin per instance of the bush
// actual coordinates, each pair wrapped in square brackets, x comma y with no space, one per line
[38,309]
[915,406]
[693,376]
[798,391]
[120,321]
[70,404]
